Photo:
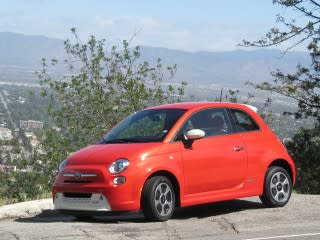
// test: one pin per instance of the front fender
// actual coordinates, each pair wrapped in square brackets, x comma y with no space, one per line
[170,163]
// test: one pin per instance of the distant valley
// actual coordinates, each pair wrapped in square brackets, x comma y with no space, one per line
[23,53]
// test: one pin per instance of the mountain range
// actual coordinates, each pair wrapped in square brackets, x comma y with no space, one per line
[20,57]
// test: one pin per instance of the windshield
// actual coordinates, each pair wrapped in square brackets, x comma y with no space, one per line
[144,126]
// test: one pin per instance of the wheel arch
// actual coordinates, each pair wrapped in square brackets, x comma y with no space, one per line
[173,179]
[283,163]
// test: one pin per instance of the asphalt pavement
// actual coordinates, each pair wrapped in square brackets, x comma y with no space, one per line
[244,219]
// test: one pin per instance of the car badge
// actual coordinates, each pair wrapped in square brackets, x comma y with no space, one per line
[77,175]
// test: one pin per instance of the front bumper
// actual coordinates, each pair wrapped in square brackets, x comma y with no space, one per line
[90,202]
[95,180]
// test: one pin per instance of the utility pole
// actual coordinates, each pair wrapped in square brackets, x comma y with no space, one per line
[221,92]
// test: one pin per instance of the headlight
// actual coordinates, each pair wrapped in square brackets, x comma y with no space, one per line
[118,166]
[62,165]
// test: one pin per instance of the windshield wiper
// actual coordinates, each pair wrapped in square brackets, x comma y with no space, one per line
[123,140]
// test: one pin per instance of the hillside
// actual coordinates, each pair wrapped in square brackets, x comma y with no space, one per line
[21,55]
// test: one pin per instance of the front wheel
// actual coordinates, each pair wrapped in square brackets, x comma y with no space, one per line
[83,218]
[158,199]
[277,187]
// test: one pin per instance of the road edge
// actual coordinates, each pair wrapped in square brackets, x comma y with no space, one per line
[25,209]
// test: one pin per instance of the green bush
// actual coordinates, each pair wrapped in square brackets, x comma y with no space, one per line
[305,150]
[21,186]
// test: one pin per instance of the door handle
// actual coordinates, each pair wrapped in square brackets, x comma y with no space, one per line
[238,148]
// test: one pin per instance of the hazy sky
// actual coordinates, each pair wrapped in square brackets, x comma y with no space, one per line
[209,25]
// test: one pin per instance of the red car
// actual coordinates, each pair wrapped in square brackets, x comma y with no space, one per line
[177,155]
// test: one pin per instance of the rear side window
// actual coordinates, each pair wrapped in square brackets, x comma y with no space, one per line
[243,122]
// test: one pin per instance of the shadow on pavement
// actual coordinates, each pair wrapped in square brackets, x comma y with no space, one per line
[199,211]
[216,209]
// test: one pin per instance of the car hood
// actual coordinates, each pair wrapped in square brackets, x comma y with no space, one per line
[107,153]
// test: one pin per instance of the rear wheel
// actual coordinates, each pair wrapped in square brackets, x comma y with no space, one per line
[158,199]
[277,187]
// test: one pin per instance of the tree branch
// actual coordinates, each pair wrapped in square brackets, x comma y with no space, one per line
[315,3]
[301,9]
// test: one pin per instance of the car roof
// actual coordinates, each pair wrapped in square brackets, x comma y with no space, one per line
[199,105]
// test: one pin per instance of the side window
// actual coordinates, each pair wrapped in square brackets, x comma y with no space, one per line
[212,121]
[243,122]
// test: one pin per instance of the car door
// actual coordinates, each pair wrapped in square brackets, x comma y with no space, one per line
[253,137]
[217,161]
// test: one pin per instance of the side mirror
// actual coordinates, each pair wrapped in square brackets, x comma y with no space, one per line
[194,134]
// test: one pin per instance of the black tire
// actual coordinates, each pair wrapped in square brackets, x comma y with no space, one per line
[277,187]
[158,199]
[81,218]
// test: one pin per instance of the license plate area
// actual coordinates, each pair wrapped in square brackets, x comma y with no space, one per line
[77,195]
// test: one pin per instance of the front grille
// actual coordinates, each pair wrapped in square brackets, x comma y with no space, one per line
[77,195]
[77,181]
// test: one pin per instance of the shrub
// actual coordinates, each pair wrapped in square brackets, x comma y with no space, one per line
[304,148]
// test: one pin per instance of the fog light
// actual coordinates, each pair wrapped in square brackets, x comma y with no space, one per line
[119,180]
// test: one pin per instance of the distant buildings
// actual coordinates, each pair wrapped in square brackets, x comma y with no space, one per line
[31,124]
[5,134]
[32,138]
[2,120]
[6,168]
[21,100]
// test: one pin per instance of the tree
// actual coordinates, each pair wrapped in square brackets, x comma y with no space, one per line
[102,86]
[304,84]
